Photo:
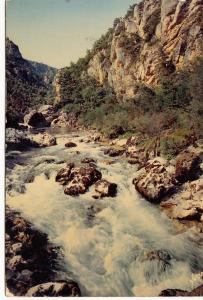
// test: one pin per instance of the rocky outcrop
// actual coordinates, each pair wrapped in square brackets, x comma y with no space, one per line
[187,204]
[156,38]
[32,261]
[103,188]
[77,180]
[155,180]
[35,119]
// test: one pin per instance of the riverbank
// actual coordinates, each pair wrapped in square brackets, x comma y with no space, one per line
[108,235]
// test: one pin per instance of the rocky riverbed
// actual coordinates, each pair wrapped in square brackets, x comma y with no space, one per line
[127,224]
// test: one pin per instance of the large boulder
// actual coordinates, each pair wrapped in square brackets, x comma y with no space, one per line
[103,188]
[48,112]
[155,180]
[42,140]
[77,180]
[197,292]
[54,289]
[187,204]
[35,119]
[187,166]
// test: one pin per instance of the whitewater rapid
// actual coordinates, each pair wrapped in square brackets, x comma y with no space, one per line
[103,240]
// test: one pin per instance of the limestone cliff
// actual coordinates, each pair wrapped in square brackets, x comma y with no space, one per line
[154,39]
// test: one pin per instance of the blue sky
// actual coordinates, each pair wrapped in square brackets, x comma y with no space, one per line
[57,32]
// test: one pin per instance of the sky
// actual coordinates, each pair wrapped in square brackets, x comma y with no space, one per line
[57,32]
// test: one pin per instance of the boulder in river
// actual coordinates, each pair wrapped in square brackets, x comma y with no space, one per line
[54,289]
[155,180]
[65,120]
[77,180]
[35,119]
[104,188]
[197,292]
[187,166]
[187,203]
[112,152]
[16,139]
[88,160]
[70,145]
[42,140]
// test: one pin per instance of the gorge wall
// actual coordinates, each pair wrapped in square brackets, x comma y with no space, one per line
[155,38]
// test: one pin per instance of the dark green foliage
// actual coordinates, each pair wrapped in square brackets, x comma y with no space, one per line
[26,87]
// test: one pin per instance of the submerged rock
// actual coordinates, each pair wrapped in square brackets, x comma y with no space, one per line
[35,119]
[155,180]
[103,188]
[77,180]
[54,289]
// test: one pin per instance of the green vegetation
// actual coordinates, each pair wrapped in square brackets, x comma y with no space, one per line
[172,113]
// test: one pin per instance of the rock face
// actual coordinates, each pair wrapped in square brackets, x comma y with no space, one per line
[187,204]
[154,39]
[77,180]
[32,261]
[54,289]
[103,188]
[155,180]
[35,119]
[187,166]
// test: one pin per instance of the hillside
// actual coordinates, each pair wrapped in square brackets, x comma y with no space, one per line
[144,76]
[28,83]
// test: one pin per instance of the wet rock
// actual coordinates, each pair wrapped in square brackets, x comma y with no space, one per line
[160,255]
[187,166]
[35,119]
[155,180]
[112,152]
[187,203]
[54,289]
[42,140]
[88,160]
[30,258]
[63,175]
[77,180]
[197,292]
[70,145]
[103,188]
[16,139]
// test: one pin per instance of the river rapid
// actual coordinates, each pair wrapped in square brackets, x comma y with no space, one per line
[105,241]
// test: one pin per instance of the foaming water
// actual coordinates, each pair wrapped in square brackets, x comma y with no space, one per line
[106,241]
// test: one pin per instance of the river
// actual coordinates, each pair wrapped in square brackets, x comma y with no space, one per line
[105,241]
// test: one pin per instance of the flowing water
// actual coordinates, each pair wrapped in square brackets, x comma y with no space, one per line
[106,242]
